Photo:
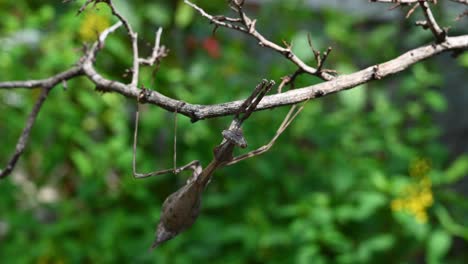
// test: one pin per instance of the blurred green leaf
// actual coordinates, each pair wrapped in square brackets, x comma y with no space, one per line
[183,15]
[436,101]
[457,170]
[424,76]
[437,247]
[449,223]
[300,46]
[463,60]
[158,14]
[355,98]
[82,162]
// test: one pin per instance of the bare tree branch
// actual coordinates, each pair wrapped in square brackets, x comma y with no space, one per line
[248,26]
[403,1]
[47,85]
[158,51]
[23,139]
[465,2]
[332,84]
[49,82]
[133,38]
[198,112]
[439,34]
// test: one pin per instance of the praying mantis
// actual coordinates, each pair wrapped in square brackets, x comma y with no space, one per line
[181,209]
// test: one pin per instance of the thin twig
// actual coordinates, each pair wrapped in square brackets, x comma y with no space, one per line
[411,11]
[98,45]
[83,7]
[23,139]
[289,79]
[247,26]
[158,51]
[133,38]
[51,81]
[465,2]
[439,34]
[132,35]
[400,1]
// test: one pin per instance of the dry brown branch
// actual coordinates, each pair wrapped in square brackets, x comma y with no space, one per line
[465,2]
[133,38]
[247,25]
[181,208]
[401,1]
[23,139]
[439,33]
[158,53]
[406,2]
[49,82]
[411,11]
[85,67]
[198,112]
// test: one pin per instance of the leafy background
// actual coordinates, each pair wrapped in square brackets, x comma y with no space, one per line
[363,176]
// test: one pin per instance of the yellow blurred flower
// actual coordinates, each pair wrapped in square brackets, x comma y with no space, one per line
[419,167]
[417,197]
[397,205]
[421,216]
[92,25]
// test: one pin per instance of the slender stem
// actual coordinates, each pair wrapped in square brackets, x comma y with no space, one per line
[23,139]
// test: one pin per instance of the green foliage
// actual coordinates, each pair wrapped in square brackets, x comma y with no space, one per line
[322,194]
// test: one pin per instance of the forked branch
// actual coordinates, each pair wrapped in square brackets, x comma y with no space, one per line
[247,25]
